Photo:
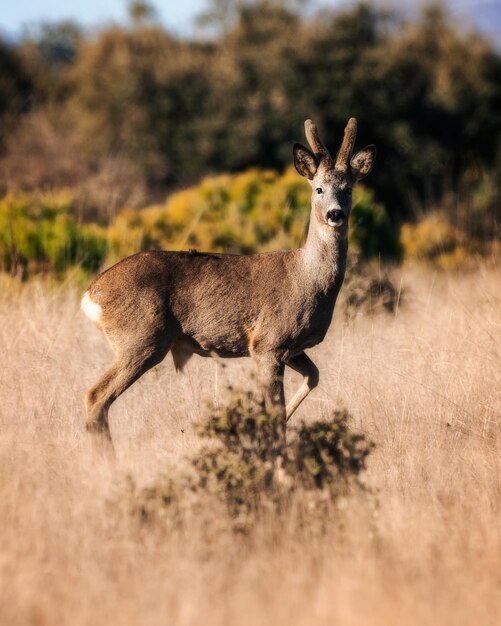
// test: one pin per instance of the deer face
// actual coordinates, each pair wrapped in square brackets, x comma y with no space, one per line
[331,182]
[331,197]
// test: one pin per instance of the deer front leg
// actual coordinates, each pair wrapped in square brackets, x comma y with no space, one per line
[304,366]
[271,379]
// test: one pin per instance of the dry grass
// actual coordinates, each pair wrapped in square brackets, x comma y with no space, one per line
[424,384]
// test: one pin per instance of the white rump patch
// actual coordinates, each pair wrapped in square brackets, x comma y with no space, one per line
[91,309]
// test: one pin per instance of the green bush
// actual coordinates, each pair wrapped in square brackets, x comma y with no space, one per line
[39,233]
[243,457]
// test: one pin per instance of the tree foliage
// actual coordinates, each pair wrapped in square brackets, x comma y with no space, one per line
[156,112]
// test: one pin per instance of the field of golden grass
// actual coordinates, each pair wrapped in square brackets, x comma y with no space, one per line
[423,546]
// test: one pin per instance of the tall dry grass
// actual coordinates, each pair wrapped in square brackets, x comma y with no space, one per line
[423,548]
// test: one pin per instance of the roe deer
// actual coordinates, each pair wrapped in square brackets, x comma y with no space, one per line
[271,306]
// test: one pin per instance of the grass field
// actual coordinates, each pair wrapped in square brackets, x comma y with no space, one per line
[424,547]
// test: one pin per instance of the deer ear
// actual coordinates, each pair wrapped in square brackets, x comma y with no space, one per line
[305,161]
[361,163]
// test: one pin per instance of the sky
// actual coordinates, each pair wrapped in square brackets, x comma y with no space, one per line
[17,14]
[177,15]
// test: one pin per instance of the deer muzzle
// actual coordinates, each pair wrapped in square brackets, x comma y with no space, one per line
[335,217]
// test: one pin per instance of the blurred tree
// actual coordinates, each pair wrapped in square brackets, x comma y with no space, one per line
[48,52]
[141,109]
[436,110]
[142,12]
[221,15]
[253,84]
[15,88]
[141,94]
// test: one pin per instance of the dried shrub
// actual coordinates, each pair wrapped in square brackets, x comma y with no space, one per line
[367,292]
[327,454]
[248,466]
[243,458]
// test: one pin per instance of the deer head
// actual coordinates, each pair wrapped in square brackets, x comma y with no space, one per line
[332,181]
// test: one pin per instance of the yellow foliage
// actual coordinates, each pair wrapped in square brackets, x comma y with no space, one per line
[246,212]
[436,241]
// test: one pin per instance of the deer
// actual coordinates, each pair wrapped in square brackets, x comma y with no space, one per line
[268,306]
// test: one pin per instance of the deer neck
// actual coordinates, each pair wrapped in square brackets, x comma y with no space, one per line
[324,257]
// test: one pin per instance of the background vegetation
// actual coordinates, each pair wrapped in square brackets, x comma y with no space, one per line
[131,138]
[120,119]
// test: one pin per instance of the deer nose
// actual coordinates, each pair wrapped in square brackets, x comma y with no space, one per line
[335,217]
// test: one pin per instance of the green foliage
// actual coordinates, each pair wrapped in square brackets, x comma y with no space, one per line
[244,427]
[254,211]
[38,233]
[248,465]
[477,211]
[15,86]
[371,230]
[134,108]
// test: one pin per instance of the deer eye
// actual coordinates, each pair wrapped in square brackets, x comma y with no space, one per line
[319,190]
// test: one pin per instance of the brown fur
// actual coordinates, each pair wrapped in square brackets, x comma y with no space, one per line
[270,307]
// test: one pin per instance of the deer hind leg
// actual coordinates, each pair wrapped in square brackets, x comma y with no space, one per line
[304,366]
[128,366]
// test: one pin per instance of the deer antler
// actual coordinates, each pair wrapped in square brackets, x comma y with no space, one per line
[315,142]
[344,154]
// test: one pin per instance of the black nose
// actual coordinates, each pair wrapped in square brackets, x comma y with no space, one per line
[335,215]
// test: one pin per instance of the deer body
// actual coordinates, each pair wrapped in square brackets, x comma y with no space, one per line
[270,306]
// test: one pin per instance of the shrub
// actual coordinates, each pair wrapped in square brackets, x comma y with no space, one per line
[327,455]
[368,290]
[244,456]
[435,241]
[246,464]
[39,233]
[429,238]
[239,213]
[256,210]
